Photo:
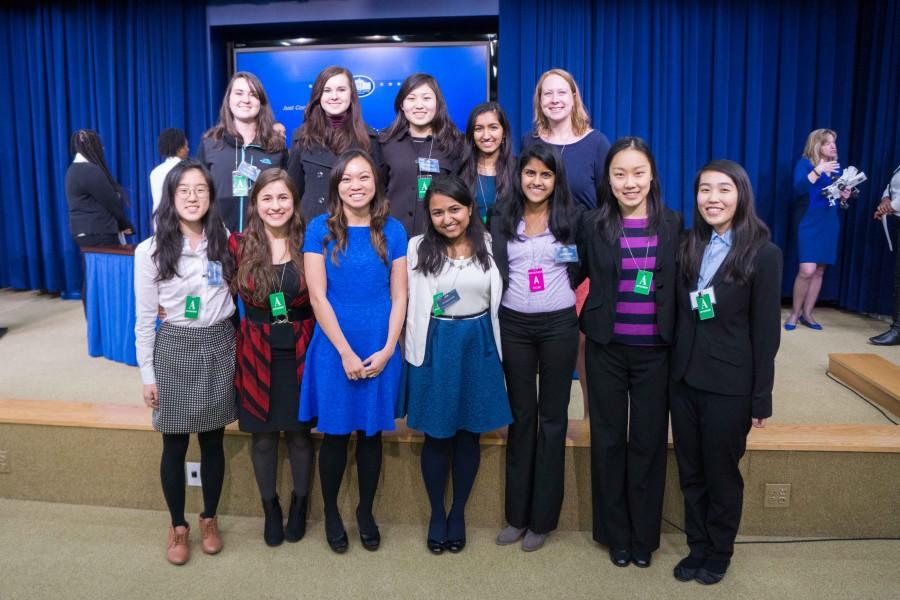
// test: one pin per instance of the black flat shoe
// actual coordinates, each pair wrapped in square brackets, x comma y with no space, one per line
[369,541]
[891,337]
[620,558]
[435,547]
[712,571]
[641,559]
[455,546]
[339,544]
[686,569]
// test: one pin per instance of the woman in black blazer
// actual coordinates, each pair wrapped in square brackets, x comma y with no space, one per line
[628,249]
[723,361]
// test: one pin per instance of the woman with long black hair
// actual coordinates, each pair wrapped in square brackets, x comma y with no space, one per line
[332,124]
[533,238]
[490,165]
[723,361]
[187,366]
[454,381]
[628,249]
[420,144]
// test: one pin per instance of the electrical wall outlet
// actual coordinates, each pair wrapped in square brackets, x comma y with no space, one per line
[193,473]
[4,461]
[778,495]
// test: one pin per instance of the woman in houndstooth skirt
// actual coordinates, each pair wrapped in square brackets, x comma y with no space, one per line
[187,366]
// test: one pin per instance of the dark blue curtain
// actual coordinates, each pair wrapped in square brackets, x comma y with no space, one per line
[745,80]
[126,69]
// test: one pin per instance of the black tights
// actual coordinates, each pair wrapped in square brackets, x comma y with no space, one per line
[333,462]
[264,454]
[212,471]
[436,463]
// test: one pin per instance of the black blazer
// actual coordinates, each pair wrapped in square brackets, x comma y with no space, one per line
[95,206]
[310,169]
[733,354]
[602,263]
[499,241]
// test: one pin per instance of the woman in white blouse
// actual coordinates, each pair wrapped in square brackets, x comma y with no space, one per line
[187,366]
[454,388]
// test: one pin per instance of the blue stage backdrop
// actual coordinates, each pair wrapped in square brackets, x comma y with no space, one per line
[126,69]
[739,79]
[288,75]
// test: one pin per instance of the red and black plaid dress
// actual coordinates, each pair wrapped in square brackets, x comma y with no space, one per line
[268,375]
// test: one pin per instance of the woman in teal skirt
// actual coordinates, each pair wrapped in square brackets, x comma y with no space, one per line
[454,388]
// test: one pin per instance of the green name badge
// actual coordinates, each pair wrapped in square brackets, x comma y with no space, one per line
[276,303]
[240,184]
[192,307]
[422,184]
[435,307]
[705,307]
[643,282]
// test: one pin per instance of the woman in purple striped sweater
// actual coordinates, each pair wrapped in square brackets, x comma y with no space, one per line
[628,247]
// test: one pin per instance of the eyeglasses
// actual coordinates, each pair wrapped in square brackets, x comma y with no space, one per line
[201,191]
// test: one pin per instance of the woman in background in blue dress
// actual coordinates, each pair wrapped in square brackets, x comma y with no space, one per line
[490,166]
[818,230]
[355,265]
[454,386]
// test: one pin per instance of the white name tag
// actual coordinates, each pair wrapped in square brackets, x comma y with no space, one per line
[707,292]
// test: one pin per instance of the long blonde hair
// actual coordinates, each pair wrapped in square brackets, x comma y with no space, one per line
[581,122]
[814,142]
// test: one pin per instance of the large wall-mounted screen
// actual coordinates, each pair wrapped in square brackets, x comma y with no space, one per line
[463,70]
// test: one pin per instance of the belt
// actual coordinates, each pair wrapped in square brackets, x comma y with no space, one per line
[459,317]
[263,316]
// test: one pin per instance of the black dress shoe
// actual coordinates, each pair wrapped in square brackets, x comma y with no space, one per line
[712,571]
[455,546]
[435,546]
[370,539]
[641,559]
[891,337]
[296,521]
[339,544]
[686,569]
[273,529]
[620,558]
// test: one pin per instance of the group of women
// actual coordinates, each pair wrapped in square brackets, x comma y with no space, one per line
[475,258]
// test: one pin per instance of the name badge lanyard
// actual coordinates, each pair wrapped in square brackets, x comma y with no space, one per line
[644,278]
[438,305]
[484,196]
[423,181]
[241,196]
[276,300]
[536,272]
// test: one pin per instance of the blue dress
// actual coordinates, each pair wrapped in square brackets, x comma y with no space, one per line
[358,288]
[820,226]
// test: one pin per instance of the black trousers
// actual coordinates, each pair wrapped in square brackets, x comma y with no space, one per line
[710,432]
[627,400]
[543,345]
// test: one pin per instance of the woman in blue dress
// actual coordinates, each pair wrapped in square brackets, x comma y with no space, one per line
[817,233]
[454,386]
[355,263]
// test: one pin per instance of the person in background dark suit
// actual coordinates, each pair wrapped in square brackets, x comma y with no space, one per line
[723,362]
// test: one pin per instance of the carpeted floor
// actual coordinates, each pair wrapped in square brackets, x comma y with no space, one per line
[71,552]
[44,356]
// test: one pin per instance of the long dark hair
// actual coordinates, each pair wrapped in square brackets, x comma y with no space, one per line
[170,239]
[256,276]
[559,202]
[505,161]
[443,131]
[87,143]
[609,215]
[749,232]
[433,249]
[266,135]
[316,130]
[379,209]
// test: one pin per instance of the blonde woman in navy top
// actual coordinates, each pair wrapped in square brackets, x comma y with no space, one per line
[628,248]
[533,237]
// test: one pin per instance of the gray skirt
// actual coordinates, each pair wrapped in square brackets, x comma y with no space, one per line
[194,369]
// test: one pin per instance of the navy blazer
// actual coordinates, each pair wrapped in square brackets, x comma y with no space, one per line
[733,354]
[602,263]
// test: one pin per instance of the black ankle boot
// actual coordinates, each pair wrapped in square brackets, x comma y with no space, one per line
[296,522]
[273,531]
[891,337]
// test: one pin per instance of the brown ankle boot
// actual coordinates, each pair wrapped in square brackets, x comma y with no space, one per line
[209,532]
[179,550]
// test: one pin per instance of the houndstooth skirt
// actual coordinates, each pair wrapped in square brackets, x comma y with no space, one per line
[194,369]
